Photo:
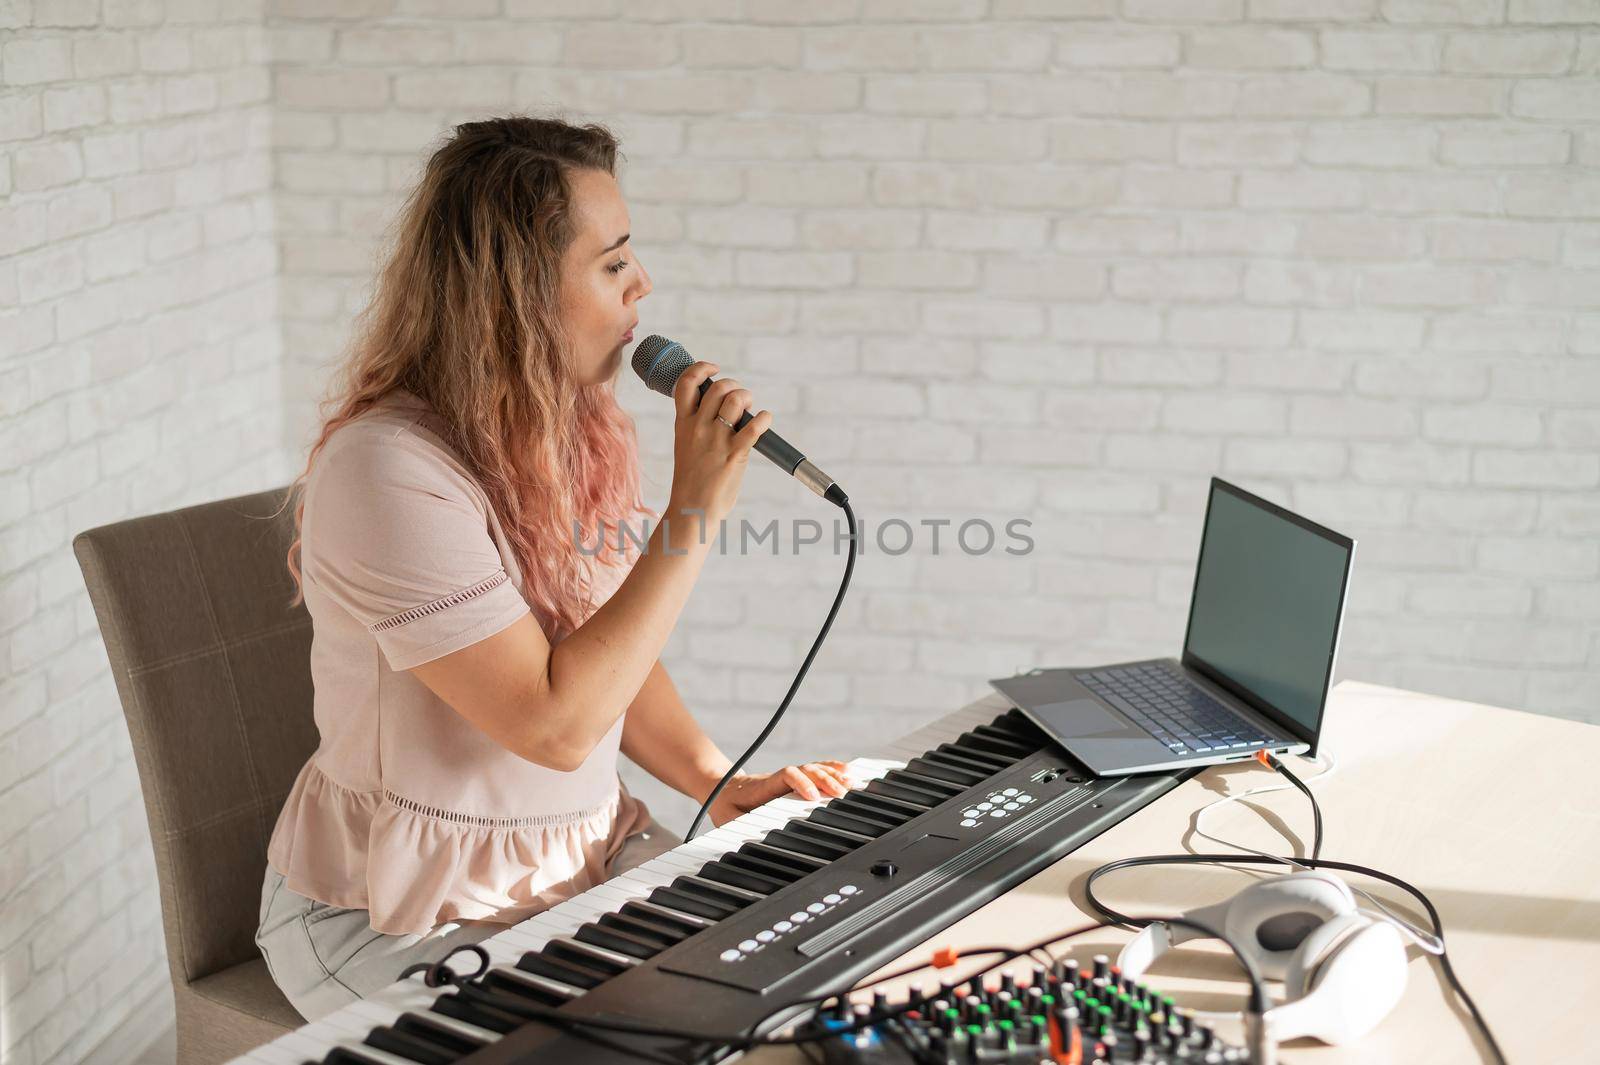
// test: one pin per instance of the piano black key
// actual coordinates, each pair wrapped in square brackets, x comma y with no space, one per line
[726,873]
[650,932]
[1000,741]
[540,989]
[687,923]
[932,766]
[576,952]
[691,884]
[899,810]
[510,1005]
[793,841]
[807,827]
[408,1046]
[960,761]
[615,939]
[940,790]
[894,789]
[364,1055]
[569,973]
[694,905]
[1019,724]
[474,1013]
[834,817]
[975,756]
[859,804]
[768,850]
[916,773]
[782,873]
[442,1032]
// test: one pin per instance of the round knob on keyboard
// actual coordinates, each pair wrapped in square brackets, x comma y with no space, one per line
[884,868]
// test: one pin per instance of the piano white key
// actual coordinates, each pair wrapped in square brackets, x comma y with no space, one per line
[346,1023]
[310,1043]
[402,995]
[877,767]
[767,818]
[272,1054]
[954,724]
[373,1013]
[614,896]
[571,905]
[789,808]
[534,934]
[742,830]
[701,851]
[581,906]
[683,863]
[861,770]
[729,837]
[905,750]
[502,952]
[591,909]
[656,874]
[643,884]
[301,1046]
[945,731]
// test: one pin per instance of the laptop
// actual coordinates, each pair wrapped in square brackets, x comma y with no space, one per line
[1258,655]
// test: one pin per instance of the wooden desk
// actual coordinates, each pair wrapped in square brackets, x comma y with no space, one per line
[1494,813]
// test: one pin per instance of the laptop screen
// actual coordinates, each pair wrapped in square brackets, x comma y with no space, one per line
[1268,595]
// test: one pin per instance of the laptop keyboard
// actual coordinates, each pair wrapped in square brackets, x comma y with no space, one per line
[1175,711]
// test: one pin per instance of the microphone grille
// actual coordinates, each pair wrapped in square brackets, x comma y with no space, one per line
[659,362]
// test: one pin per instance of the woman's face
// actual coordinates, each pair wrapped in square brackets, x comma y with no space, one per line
[602,279]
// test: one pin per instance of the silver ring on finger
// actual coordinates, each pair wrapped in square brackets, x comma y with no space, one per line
[724,421]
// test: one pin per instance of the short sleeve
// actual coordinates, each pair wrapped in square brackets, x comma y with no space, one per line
[394,536]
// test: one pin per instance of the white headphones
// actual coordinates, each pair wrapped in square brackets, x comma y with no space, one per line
[1343,969]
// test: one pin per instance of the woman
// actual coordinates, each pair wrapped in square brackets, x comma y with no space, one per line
[477,665]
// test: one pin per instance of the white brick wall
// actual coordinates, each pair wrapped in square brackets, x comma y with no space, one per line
[1064,261]
[983,259]
[139,371]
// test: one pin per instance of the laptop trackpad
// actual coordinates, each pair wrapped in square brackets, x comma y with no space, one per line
[1084,719]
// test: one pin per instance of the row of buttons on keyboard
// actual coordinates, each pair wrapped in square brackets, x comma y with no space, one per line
[779,928]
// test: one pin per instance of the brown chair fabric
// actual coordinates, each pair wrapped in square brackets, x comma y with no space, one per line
[213,670]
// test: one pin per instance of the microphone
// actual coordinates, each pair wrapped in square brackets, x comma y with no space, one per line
[659,362]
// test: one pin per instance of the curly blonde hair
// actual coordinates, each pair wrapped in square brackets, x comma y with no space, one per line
[465,316]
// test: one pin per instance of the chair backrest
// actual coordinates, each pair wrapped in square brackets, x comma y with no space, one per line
[214,671]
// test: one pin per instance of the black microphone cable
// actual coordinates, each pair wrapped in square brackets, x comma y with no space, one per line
[849,567]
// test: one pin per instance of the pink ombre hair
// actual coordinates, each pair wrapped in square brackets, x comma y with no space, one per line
[465,315]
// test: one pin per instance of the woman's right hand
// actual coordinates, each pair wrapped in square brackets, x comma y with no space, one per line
[708,457]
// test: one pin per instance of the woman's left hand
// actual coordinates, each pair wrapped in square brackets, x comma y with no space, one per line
[811,781]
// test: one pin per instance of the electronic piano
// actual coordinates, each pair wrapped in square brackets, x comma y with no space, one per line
[745,927]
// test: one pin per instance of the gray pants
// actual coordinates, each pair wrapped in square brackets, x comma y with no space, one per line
[325,957]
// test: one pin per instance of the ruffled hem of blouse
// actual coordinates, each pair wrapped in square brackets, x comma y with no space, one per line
[414,867]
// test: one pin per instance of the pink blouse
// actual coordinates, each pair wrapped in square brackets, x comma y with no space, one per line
[406,809]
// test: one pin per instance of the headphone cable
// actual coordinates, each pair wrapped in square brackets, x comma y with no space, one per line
[1123,920]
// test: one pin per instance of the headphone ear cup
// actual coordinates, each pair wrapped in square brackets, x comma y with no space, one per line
[1318,947]
[1271,919]
[1349,976]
